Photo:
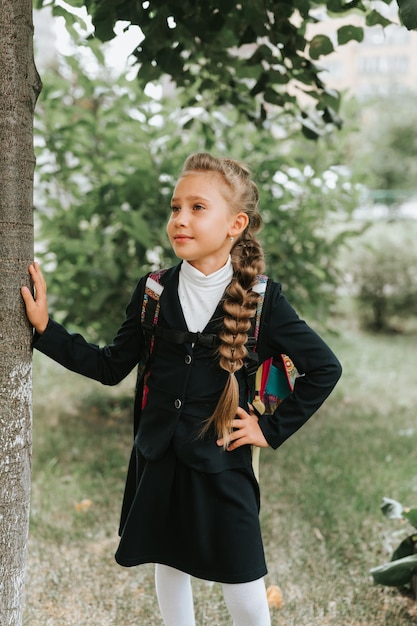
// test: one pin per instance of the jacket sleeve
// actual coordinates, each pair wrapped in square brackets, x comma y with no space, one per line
[283,332]
[108,364]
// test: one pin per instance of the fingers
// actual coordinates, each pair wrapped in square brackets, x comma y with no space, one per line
[36,307]
[246,431]
[38,279]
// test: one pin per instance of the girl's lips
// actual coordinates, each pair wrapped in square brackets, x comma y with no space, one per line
[180,238]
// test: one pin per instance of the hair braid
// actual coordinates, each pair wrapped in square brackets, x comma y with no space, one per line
[240,302]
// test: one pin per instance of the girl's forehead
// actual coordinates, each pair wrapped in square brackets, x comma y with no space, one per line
[205,183]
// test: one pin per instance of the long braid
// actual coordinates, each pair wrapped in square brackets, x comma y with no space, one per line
[240,302]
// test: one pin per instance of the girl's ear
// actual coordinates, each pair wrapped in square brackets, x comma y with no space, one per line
[241,221]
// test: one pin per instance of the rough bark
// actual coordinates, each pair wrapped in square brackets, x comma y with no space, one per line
[19,87]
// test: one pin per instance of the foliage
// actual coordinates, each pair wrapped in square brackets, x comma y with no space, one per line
[400,570]
[102,206]
[408,13]
[254,56]
[383,271]
[107,164]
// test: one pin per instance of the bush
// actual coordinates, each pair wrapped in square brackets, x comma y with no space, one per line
[384,275]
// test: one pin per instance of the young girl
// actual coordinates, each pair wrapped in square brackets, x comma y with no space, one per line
[192,501]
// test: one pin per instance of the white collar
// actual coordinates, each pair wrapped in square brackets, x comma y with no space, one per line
[200,294]
[193,276]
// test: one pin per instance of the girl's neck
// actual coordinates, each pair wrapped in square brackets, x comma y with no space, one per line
[193,271]
[207,268]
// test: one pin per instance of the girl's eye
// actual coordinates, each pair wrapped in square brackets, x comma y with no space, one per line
[174,208]
[198,207]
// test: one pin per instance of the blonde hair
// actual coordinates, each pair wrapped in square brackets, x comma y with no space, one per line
[240,302]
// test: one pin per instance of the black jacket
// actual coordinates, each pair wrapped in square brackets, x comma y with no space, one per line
[185,382]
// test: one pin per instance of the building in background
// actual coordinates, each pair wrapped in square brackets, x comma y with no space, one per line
[384,63]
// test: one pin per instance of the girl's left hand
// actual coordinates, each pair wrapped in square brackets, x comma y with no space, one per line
[247,431]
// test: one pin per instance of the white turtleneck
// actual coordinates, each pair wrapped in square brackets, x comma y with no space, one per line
[200,294]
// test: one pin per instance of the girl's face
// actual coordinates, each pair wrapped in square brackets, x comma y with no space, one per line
[201,223]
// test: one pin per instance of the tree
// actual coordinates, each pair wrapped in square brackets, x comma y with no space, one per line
[19,86]
[253,56]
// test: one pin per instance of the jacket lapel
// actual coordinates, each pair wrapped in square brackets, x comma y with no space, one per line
[171,311]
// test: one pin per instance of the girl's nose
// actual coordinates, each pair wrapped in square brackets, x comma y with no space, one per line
[181,219]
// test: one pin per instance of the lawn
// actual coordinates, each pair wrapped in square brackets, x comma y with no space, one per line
[321,493]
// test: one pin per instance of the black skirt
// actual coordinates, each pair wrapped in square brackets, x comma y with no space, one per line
[204,524]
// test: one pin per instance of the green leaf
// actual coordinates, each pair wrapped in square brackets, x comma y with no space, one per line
[310,130]
[331,98]
[330,116]
[104,29]
[408,13]
[273,97]
[411,516]
[374,18]
[406,548]
[348,33]
[396,573]
[319,45]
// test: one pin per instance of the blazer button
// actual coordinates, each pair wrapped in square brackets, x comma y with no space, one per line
[177,403]
[188,359]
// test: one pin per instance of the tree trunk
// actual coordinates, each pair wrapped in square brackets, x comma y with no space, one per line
[19,88]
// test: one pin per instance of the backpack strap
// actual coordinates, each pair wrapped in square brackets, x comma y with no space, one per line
[260,287]
[150,313]
[149,319]
[261,373]
[150,307]
[252,359]
[258,376]
[274,379]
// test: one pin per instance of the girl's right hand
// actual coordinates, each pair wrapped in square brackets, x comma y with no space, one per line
[36,307]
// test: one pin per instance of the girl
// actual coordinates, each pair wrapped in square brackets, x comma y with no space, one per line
[192,501]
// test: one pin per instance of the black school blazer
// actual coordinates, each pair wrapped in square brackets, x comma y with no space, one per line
[185,381]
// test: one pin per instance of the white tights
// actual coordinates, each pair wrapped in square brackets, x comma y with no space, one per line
[246,602]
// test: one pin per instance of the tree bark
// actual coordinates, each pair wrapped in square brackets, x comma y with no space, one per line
[19,88]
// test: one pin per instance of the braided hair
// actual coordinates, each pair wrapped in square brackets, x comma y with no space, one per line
[240,301]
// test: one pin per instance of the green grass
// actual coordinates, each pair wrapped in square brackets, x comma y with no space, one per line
[321,493]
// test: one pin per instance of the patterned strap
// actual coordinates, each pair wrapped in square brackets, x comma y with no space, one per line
[151,305]
[259,287]
[264,369]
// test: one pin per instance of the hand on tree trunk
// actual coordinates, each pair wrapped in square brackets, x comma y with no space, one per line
[37,305]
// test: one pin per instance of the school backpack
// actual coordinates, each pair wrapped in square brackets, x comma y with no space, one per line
[269,383]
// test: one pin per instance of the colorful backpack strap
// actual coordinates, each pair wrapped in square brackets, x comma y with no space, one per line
[260,287]
[274,381]
[149,319]
[150,306]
